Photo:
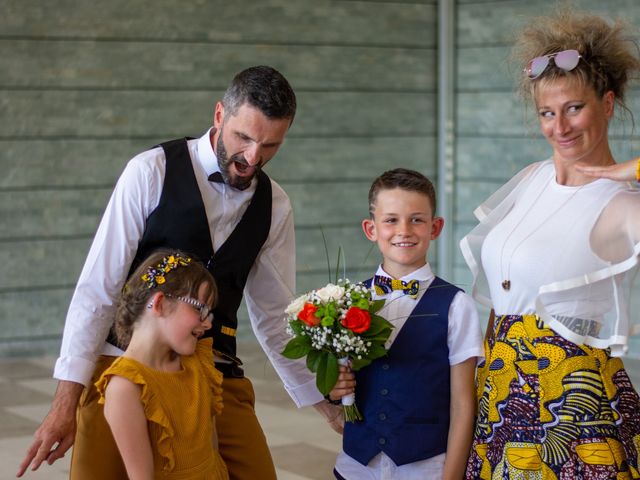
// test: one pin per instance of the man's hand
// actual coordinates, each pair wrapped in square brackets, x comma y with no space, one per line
[57,431]
[333,414]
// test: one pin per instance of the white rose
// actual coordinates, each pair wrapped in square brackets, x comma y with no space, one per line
[294,307]
[330,292]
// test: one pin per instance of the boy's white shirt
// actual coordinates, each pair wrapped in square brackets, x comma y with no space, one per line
[464,340]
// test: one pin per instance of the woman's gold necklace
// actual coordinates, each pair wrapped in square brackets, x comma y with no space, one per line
[506,283]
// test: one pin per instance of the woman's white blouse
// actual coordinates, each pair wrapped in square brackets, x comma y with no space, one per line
[569,252]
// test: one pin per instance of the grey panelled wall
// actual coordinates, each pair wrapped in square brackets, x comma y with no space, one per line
[496,136]
[86,85]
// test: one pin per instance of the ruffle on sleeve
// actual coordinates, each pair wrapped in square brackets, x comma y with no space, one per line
[489,214]
[101,385]
[151,404]
[608,289]
[204,352]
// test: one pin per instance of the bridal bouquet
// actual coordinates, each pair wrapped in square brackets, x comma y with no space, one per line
[336,325]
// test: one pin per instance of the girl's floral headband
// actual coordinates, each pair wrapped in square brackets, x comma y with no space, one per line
[155,275]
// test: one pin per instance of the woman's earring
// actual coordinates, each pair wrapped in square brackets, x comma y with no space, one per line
[150,305]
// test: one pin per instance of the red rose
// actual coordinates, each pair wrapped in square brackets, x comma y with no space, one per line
[357,320]
[307,315]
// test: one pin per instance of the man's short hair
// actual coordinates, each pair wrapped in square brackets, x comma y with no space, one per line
[264,88]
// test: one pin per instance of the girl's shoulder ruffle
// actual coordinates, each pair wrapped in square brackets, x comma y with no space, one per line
[152,404]
[204,353]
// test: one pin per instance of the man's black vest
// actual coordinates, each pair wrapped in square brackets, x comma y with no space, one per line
[180,222]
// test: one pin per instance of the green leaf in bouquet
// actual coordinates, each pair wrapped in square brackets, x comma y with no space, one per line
[326,252]
[379,319]
[297,326]
[378,340]
[327,321]
[376,305]
[327,372]
[362,303]
[358,363]
[378,328]
[297,347]
[376,351]
[313,359]
[340,256]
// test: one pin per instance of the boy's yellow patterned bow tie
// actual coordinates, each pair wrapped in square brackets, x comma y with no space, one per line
[384,285]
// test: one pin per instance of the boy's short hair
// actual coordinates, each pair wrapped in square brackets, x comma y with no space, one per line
[404,179]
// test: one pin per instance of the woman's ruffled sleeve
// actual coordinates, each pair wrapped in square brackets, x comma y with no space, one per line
[204,352]
[151,403]
[607,294]
[489,214]
[506,193]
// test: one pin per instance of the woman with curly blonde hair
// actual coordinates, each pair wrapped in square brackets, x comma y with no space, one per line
[553,256]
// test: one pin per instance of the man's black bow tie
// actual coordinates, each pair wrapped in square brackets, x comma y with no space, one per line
[216,177]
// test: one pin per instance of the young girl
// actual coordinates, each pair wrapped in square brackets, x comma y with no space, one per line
[161,395]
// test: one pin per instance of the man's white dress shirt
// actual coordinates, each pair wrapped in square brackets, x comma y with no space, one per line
[269,288]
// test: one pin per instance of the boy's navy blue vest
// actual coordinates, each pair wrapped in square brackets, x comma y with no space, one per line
[404,397]
[180,222]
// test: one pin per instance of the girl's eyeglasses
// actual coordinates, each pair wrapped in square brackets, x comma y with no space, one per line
[205,312]
[567,60]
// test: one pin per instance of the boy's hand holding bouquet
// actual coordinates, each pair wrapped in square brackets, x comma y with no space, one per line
[336,325]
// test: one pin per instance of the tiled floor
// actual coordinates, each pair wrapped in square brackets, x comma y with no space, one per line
[302,444]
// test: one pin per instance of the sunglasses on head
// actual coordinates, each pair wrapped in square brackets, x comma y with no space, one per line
[567,60]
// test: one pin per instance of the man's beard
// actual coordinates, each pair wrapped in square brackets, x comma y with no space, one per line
[224,162]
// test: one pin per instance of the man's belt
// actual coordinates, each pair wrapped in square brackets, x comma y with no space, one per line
[230,370]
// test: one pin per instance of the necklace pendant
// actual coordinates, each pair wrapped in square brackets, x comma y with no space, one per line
[506,285]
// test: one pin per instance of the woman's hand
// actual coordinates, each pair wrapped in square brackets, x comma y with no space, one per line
[622,172]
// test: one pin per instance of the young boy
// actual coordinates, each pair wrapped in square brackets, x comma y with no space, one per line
[418,402]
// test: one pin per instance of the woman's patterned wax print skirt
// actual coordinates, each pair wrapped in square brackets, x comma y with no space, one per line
[551,409]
